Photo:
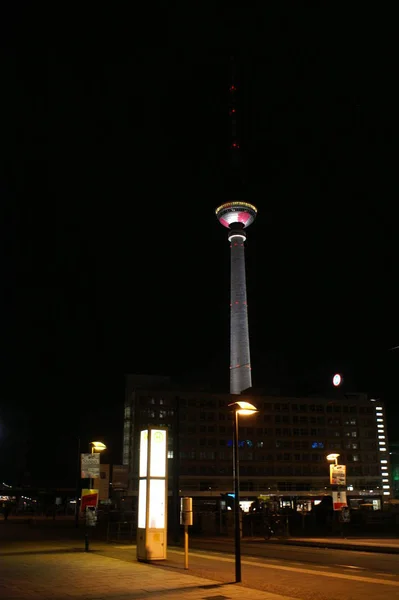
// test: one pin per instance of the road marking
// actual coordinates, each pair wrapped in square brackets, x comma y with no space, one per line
[212,555]
[351,567]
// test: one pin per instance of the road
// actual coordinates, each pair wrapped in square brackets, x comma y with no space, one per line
[297,572]
[304,573]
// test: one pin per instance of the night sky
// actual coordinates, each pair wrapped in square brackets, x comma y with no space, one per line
[112,260]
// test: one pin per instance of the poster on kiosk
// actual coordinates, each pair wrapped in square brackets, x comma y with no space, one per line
[153,490]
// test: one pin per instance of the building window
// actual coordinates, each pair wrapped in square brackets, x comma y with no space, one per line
[317,444]
[170,453]
[354,433]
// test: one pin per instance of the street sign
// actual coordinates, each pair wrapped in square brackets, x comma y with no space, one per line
[120,477]
[91,516]
[339,500]
[345,515]
[90,466]
[338,474]
[89,498]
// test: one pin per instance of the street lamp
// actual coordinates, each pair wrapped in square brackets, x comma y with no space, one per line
[239,408]
[96,447]
[333,457]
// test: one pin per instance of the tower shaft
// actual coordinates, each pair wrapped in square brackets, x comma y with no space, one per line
[240,361]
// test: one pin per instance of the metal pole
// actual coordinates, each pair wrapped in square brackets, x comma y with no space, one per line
[77,506]
[185,546]
[236,475]
[176,473]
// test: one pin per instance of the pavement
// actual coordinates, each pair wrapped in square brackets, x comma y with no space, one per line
[50,562]
[56,570]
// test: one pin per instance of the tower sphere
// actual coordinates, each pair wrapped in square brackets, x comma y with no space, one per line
[236,212]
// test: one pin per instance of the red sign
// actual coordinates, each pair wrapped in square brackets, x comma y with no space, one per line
[339,500]
[89,498]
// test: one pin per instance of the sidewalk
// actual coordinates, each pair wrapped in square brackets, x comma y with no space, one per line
[50,570]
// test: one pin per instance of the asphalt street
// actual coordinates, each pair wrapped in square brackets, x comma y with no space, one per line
[304,573]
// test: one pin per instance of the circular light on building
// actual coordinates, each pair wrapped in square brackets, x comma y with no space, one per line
[337,379]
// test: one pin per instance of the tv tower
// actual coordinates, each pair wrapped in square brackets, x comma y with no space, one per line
[237,216]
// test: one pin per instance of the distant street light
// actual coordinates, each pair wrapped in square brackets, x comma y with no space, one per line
[239,408]
[337,380]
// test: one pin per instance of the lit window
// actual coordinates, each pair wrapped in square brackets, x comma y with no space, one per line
[385,481]
[170,453]
[385,487]
[382,449]
[381,437]
[386,493]
[378,408]
[384,461]
[380,420]
[379,414]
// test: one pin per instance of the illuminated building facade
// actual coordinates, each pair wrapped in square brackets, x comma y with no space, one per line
[282,449]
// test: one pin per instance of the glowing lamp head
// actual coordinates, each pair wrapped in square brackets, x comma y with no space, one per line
[244,408]
[236,212]
[332,457]
[98,446]
[337,380]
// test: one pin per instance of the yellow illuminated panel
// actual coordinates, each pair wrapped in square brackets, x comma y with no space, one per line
[157,504]
[143,453]
[158,453]
[142,503]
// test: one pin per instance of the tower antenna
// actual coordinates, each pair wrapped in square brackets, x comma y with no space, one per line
[237,215]
[234,143]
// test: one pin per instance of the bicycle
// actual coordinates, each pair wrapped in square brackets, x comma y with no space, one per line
[273,528]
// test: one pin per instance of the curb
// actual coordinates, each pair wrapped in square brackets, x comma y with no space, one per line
[339,546]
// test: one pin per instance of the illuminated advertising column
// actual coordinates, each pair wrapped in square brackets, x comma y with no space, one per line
[153,494]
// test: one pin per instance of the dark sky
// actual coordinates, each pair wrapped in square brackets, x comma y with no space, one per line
[112,260]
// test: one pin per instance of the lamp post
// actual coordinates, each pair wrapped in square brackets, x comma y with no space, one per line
[239,408]
[78,477]
[333,458]
[96,447]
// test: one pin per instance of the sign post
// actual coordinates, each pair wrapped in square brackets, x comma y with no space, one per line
[88,507]
[153,494]
[186,519]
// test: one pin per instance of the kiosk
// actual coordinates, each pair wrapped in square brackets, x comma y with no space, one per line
[153,494]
